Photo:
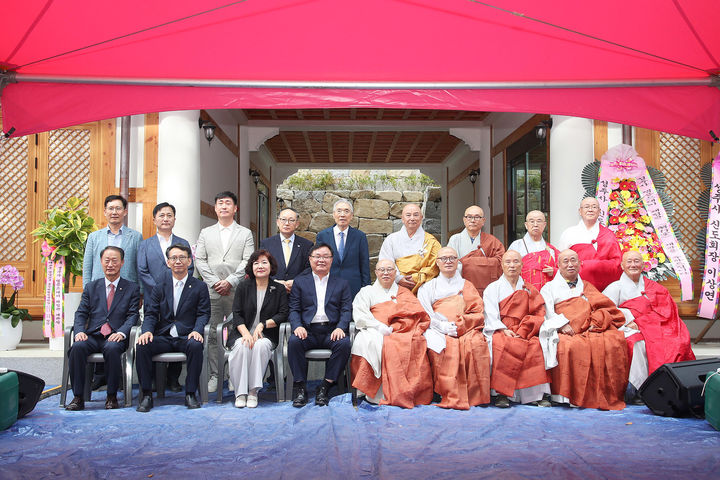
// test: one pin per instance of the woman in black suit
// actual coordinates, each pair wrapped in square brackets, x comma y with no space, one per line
[255,330]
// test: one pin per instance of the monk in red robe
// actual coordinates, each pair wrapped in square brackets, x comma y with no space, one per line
[514,313]
[539,264]
[459,355]
[389,355]
[596,246]
[590,353]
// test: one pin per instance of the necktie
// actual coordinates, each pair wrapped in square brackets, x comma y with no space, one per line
[176,295]
[286,251]
[341,247]
[110,295]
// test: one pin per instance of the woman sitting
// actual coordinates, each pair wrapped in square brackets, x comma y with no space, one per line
[260,306]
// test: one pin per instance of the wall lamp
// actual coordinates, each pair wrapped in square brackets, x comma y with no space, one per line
[473,175]
[541,130]
[256,176]
[208,128]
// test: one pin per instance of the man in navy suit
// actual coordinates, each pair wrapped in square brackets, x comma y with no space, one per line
[107,311]
[175,317]
[320,313]
[351,258]
[291,251]
[152,266]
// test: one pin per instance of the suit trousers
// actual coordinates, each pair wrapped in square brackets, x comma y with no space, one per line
[164,344]
[247,365]
[318,336]
[112,353]
[219,309]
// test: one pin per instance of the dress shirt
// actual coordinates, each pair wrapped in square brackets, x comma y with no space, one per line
[107,291]
[225,233]
[178,286]
[336,234]
[114,240]
[164,244]
[320,290]
[287,247]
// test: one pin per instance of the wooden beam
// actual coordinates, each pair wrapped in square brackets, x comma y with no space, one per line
[328,139]
[286,144]
[207,210]
[220,134]
[372,147]
[432,149]
[600,138]
[392,147]
[412,147]
[462,176]
[150,171]
[350,147]
[306,137]
[646,144]
[518,133]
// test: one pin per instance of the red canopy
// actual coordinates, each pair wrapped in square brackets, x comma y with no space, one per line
[649,63]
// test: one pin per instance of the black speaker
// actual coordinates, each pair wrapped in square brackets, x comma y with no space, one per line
[674,389]
[29,390]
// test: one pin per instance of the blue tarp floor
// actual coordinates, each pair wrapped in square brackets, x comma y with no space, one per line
[276,440]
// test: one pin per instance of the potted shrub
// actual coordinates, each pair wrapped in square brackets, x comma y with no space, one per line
[11,316]
[64,234]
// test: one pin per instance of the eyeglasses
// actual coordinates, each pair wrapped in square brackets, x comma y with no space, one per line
[165,215]
[321,257]
[114,209]
[342,211]
[535,222]
[287,220]
[590,207]
[180,258]
[447,259]
[474,218]
[413,215]
[111,261]
[385,270]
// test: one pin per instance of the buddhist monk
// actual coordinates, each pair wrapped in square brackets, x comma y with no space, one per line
[539,257]
[459,355]
[581,340]
[389,354]
[480,253]
[514,313]
[412,249]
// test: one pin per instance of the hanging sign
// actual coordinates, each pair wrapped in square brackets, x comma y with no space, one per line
[707,307]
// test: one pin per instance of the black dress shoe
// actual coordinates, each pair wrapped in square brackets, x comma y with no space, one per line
[98,381]
[191,401]
[77,404]
[146,404]
[300,399]
[111,402]
[174,385]
[636,399]
[501,401]
[321,397]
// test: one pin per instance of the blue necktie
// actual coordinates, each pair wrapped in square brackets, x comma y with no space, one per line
[341,248]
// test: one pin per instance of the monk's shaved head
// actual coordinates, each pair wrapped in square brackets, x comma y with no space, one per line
[632,254]
[569,265]
[447,261]
[567,253]
[512,254]
[385,263]
[385,272]
[511,265]
[446,251]
[633,264]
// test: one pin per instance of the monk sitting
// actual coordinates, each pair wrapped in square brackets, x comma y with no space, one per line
[589,354]
[412,249]
[654,330]
[514,313]
[459,355]
[480,253]
[389,360]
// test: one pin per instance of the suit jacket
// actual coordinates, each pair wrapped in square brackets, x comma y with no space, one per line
[215,263]
[303,302]
[152,262]
[274,306]
[193,310]
[355,265]
[93,312]
[97,241]
[299,257]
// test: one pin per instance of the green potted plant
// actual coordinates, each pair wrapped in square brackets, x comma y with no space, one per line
[11,316]
[64,234]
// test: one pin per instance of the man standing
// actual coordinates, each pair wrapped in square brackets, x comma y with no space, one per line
[351,257]
[289,250]
[389,359]
[459,355]
[320,313]
[152,266]
[412,249]
[480,253]
[514,313]
[175,316]
[107,311]
[539,264]
[650,310]
[596,246]
[581,340]
[222,252]
[114,235]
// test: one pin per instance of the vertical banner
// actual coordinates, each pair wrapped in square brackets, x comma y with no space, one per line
[707,308]
[631,207]
[53,312]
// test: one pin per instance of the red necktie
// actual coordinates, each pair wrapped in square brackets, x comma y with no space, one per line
[105,330]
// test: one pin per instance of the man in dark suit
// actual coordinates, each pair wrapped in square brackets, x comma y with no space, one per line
[175,317]
[320,313]
[351,258]
[107,311]
[152,266]
[289,250]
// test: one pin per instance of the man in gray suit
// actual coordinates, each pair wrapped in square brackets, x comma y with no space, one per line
[222,253]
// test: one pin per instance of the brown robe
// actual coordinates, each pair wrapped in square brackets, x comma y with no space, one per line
[406,376]
[518,362]
[461,373]
[483,268]
[592,368]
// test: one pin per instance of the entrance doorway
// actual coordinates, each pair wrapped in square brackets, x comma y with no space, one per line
[527,182]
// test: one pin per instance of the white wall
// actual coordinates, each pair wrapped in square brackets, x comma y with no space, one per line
[461,195]
[219,167]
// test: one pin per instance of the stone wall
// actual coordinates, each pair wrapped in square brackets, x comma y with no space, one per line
[376,213]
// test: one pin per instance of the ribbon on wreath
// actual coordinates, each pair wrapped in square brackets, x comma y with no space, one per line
[54,290]
[707,307]
[624,162]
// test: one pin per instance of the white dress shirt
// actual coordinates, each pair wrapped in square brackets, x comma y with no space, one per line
[320,290]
